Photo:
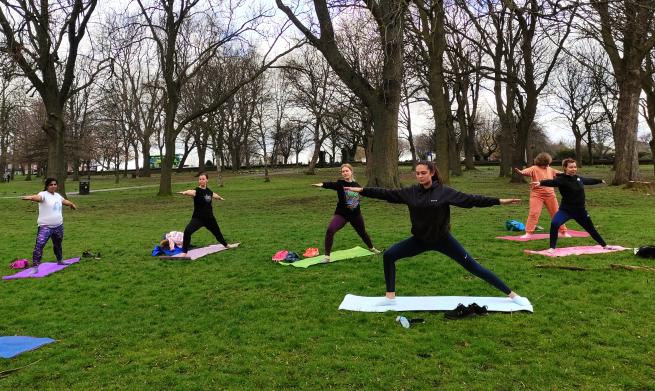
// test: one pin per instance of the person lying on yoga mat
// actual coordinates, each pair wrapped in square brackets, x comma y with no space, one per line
[172,239]
[571,187]
[203,215]
[540,195]
[347,211]
[50,221]
[429,212]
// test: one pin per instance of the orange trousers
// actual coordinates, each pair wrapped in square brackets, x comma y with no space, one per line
[537,202]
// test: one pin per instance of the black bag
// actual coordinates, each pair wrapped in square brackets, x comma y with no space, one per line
[646,252]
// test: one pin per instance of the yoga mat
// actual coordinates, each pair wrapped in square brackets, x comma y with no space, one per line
[335,256]
[429,303]
[518,238]
[13,346]
[196,253]
[579,250]
[45,269]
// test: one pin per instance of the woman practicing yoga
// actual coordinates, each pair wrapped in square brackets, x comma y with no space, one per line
[429,211]
[347,210]
[50,221]
[203,215]
[571,186]
[540,195]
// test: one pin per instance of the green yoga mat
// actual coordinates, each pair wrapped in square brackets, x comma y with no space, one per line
[335,256]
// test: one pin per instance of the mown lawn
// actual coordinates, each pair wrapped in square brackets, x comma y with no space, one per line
[236,320]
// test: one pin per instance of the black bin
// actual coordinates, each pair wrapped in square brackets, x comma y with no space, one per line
[85,186]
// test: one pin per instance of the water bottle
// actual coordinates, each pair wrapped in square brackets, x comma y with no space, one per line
[403,321]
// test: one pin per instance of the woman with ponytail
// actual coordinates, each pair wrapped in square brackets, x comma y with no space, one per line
[429,204]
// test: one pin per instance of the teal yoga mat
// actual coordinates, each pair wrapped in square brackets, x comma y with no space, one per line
[335,256]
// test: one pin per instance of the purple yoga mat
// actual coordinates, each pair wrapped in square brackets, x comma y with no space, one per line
[196,253]
[518,238]
[45,269]
[579,250]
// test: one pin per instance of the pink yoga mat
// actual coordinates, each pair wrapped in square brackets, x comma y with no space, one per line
[196,253]
[579,250]
[518,238]
[45,269]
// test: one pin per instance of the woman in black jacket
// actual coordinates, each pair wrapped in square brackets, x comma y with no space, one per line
[347,211]
[429,211]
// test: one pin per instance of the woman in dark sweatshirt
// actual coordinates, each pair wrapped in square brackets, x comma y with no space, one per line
[347,211]
[203,215]
[429,211]
[571,187]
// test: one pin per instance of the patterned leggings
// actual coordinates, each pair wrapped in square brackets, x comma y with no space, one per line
[44,233]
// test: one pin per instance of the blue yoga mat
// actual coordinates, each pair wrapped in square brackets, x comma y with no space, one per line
[13,346]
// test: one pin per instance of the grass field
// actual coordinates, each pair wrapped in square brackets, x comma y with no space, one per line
[235,320]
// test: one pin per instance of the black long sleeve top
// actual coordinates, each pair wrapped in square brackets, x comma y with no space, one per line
[571,187]
[348,201]
[429,209]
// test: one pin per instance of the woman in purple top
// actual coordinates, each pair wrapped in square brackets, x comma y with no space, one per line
[429,204]
[347,210]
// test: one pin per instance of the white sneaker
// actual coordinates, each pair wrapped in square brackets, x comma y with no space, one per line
[520,300]
[374,250]
[232,245]
[386,302]
[403,321]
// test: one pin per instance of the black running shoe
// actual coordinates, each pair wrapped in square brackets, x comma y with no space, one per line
[460,312]
[481,311]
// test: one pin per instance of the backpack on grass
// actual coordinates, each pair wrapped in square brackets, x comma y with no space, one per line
[514,225]
[646,252]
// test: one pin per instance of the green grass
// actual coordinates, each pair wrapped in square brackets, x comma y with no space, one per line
[236,320]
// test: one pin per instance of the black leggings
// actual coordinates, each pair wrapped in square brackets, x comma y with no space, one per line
[581,217]
[447,246]
[197,223]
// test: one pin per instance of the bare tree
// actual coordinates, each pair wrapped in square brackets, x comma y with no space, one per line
[382,100]
[648,107]
[626,30]
[36,36]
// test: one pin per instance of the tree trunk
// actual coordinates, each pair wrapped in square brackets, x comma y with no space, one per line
[384,159]
[145,152]
[578,149]
[55,130]
[625,141]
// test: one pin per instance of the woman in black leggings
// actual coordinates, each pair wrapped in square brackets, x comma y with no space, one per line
[203,215]
[429,211]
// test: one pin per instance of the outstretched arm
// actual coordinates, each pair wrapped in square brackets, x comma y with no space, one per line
[592,181]
[217,197]
[69,203]
[317,184]
[190,193]
[521,172]
[395,196]
[33,198]
[510,201]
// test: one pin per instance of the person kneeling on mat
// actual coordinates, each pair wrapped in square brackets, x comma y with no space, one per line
[203,215]
[429,210]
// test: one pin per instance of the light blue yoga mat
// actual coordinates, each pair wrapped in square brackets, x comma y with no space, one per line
[335,256]
[13,346]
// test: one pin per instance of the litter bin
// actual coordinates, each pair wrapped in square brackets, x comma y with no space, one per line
[85,186]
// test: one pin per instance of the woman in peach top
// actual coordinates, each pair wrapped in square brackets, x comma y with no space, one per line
[540,195]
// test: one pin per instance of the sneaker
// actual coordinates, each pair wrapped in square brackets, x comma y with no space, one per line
[232,245]
[403,321]
[374,250]
[522,301]
[459,312]
[386,302]
[480,311]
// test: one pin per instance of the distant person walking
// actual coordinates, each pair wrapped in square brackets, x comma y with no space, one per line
[571,186]
[540,196]
[203,215]
[429,212]
[50,221]
[347,211]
